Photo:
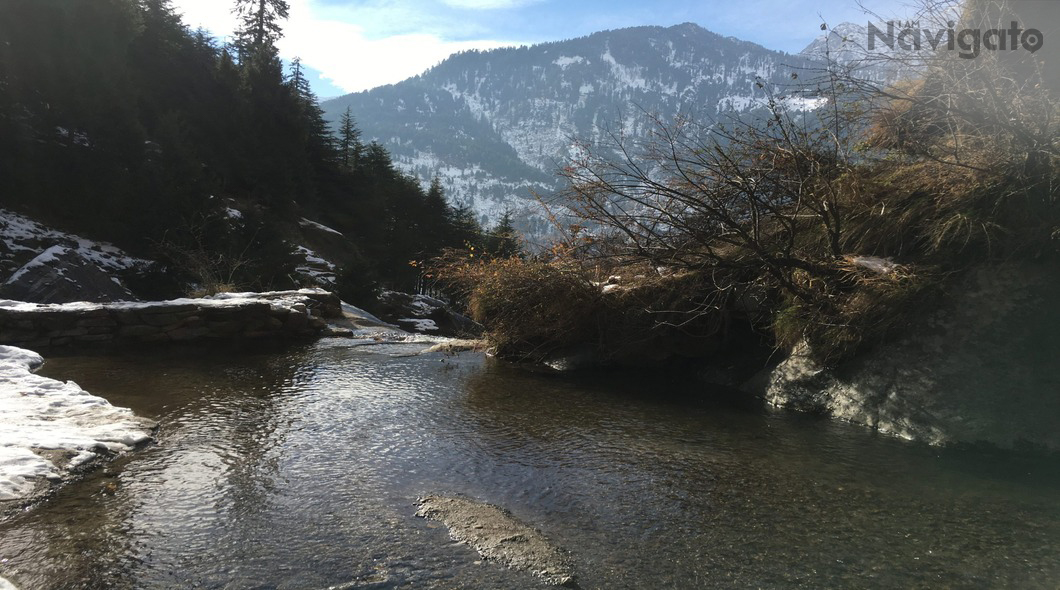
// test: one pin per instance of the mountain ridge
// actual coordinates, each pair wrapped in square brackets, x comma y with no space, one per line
[494,125]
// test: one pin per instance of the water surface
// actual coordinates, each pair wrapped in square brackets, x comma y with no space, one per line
[300,469]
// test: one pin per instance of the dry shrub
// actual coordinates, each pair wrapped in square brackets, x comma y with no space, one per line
[655,317]
[530,308]
[533,309]
[211,289]
[859,308]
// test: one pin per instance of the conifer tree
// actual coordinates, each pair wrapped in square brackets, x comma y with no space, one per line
[260,21]
[435,200]
[466,228]
[350,145]
[319,141]
[503,239]
[438,219]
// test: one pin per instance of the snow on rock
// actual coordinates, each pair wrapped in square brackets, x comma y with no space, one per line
[239,316]
[21,234]
[424,314]
[5,585]
[321,271]
[49,428]
[59,275]
[360,314]
[308,223]
[48,256]
[419,324]
[277,299]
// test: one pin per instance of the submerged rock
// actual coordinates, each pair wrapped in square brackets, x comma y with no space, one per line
[457,345]
[497,535]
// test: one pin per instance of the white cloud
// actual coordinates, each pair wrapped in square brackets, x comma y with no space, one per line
[488,4]
[213,15]
[343,52]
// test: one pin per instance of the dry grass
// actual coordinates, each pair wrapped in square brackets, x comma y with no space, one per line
[530,308]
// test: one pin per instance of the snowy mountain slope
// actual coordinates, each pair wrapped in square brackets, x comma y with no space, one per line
[847,45]
[496,125]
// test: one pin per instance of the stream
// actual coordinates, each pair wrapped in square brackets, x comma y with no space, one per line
[301,468]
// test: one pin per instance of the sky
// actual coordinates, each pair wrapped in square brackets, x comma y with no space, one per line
[355,45]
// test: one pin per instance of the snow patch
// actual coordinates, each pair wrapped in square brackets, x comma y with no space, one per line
[420,324]
[49,255]
[565,62]
[309,223]
[320,270]
[41,414]
[16,230]
[277,299]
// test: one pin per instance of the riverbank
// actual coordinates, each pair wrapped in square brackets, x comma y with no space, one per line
[53,430]
[227,316]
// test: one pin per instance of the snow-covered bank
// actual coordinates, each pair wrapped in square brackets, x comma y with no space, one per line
[278,300]
[49,428]
[230,316]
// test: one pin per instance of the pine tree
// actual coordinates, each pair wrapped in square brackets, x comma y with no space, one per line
[320,143]
[466,228]
[438,219]
[503,239]
[298,81]
[435,200]
[377,162]
[350,145]
[260,23]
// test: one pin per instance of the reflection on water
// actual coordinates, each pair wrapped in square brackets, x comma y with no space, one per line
[299,469]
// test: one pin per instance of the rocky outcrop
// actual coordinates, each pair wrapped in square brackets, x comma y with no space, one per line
[61,275]
[498,535]
[239,316]
[982,367]
[426,315]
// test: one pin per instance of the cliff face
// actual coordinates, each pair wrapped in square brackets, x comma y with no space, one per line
[984,367]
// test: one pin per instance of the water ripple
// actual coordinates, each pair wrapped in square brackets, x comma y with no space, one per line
[300,469]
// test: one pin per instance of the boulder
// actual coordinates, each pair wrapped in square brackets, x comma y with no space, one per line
[426,315]
[980,367]
[61,275]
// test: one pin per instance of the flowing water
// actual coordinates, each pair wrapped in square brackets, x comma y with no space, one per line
[301,468]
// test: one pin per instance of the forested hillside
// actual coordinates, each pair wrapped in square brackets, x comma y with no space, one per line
[120,123]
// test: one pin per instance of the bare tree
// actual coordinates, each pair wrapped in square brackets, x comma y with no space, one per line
[956,161]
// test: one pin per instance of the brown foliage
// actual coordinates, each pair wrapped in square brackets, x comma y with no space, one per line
[774,221]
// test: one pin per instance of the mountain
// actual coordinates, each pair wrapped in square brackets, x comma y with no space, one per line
[847,45]
[494,126]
